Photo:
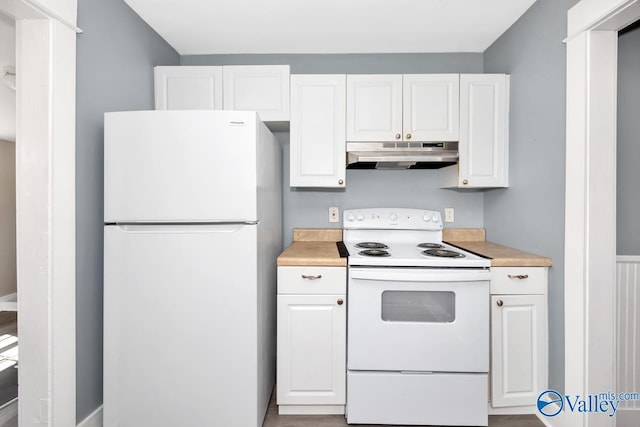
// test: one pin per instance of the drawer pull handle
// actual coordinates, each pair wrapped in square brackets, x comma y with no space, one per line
[518,276]
[316,277]
[340,301]
[500,303]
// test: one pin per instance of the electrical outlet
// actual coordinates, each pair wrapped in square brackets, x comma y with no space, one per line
[334,214]
[449,214]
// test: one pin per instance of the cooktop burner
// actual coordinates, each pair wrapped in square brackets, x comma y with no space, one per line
[371,245]
[374,252]
[402,238]
[430,245]
[442,253]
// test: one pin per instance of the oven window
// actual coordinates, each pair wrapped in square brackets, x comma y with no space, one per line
[419,306]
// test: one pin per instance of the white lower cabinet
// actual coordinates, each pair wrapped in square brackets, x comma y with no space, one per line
[311,363]
[519,337]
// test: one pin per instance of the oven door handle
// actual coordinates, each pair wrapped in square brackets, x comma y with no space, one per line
[420,275]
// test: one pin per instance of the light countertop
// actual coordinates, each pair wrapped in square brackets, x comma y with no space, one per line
[473,240]
[313,247]
[317,247]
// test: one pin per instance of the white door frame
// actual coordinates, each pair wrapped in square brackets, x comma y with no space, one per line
[590,211]
[45,204]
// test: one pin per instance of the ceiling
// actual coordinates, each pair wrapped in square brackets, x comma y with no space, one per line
[195,27]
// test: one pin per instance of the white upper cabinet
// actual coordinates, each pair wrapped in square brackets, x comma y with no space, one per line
[317,153]
[410,107]
[484,134]
[188,88]
[261,88]
[374,107]
[430,107]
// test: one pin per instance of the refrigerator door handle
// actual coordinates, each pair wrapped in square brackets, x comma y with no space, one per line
[164,228]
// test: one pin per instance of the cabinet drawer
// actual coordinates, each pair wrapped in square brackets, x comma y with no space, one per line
[518,280]
[312,280]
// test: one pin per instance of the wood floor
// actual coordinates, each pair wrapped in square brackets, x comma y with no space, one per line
[274,420]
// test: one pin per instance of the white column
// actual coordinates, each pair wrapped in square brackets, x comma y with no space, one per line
[590,221]
[45,169]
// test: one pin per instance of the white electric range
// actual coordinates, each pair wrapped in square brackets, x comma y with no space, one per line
[418,322]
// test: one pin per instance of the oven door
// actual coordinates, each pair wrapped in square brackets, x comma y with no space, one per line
[418,319]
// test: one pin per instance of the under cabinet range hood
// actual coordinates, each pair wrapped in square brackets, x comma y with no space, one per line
[401,155]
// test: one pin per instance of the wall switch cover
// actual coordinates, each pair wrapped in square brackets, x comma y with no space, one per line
[334,214]
[448,214]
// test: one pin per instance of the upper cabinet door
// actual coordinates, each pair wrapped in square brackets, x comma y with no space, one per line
[374,107]
[261,88]
[431,107]
[188,88]
[484,121]
[318,131]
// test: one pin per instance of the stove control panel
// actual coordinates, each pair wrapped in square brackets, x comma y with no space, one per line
[392,218]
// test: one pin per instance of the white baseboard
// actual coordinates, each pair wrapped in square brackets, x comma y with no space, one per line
[8,411]
[9,302]
[513,410]
[93,420]
[544,420]
[311,409]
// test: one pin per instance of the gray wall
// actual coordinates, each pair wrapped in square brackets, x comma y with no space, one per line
[530,214]
[628,226]
[115,56]
[366,188]
[8,265]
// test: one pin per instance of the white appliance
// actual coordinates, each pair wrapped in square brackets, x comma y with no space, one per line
[192,231]
[418,322]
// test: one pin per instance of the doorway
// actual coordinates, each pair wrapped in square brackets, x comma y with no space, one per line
[628,227]
[45,210]
[590,211]
[8,279]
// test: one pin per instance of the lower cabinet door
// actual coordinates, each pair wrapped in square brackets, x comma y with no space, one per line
[311,349]
[519,349]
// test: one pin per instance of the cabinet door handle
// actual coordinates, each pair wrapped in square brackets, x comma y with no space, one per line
[408,136]
[340,181]
[518,276]
[316,277]
[398,136]
[465,182]
[500,303]
[340,301]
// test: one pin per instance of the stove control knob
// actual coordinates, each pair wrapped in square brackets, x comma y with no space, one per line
[360,217]
[434,218]
[393,217]
[350,217]
[426,217]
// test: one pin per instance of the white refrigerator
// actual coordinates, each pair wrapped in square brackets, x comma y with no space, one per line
[192,211]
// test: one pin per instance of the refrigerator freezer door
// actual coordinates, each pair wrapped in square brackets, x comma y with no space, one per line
[180,322]
[180,166]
